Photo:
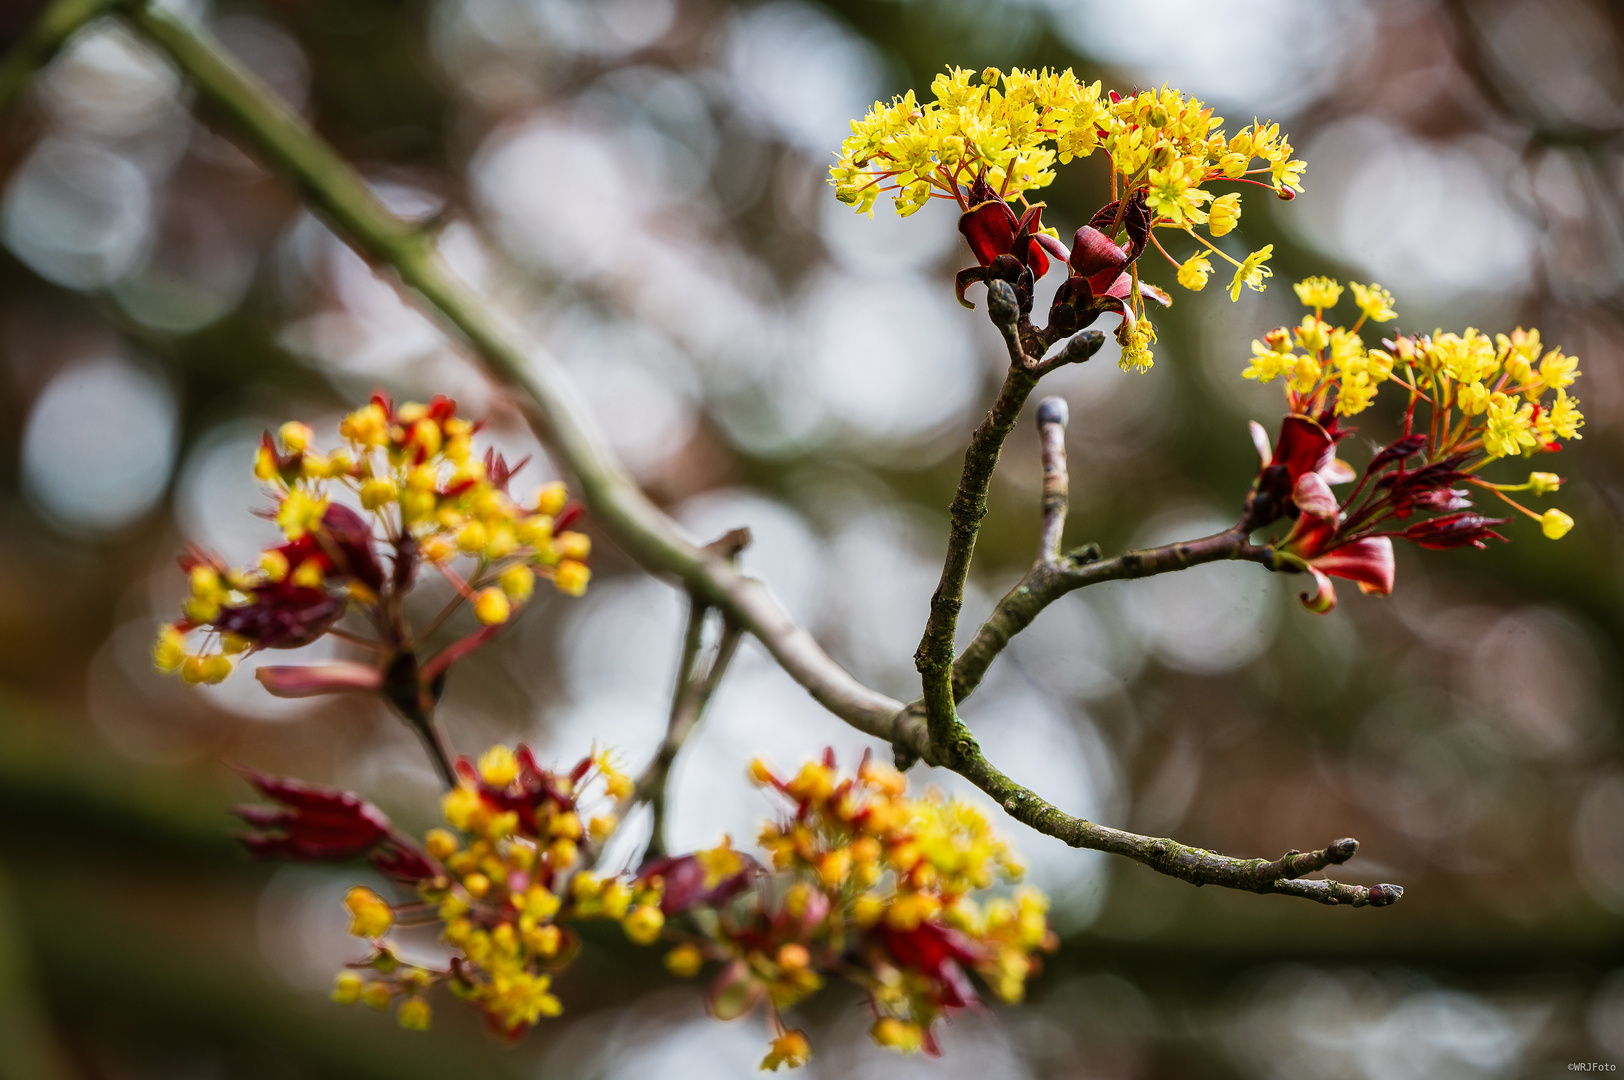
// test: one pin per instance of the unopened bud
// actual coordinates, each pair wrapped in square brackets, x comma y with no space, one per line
[1002,303]
[1052,410]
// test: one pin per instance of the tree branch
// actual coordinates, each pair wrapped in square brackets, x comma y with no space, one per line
[1052,416]
[1047,582]
[692,693]
[552,408]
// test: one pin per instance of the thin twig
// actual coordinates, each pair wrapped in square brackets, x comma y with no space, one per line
[693,693]
[1052,416]
[1047,582]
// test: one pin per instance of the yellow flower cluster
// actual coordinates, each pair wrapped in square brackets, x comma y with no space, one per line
[1333,366]
[887,879]
[1011,128]
[513,871]
[414,468]
[422,494]
[1490,398]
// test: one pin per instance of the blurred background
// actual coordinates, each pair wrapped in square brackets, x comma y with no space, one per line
[642,183]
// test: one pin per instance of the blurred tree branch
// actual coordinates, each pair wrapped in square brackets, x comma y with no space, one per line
[552,408]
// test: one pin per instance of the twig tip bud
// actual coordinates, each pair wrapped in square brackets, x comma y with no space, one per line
[1382,895]
[1002,304]
[1052,410]
[1342,850]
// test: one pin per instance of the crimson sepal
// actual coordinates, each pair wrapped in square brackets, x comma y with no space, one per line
[992,229]
[321,824]
[1455,530]
[533,788]
[685,888]
[347,538]
[567,517]
[499,472]
[282,616]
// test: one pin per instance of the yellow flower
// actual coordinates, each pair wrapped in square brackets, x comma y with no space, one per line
[1224,213]
[414,1014]
[1174,195]
[498,767]
[1313,334]
[1194,271]
[643,924]
[1136,350]
[684,961]
[790,1049]
[571,577]
[296,437]
[1563,417]
[1251,272]
[1375,301]
[169,651]
[898,1035]
[346,988]
[370,915]
[299,513]
[1555,523]
[491,606]
[1473,399]
[1318,292]
[1508,428]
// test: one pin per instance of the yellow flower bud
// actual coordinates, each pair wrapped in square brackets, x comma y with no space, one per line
[414,1014]
[898,1035]
[571,577]
[643,924]
[346,988]
[309,575]
[1543,483]
[370,914]
[1555,523]
[573,545]
[541,904]
[442,843]
[379,491]
[471,537]
[602,827]
[535,531]
[1224,212]
[295,436]
[234,644]
[477,884]
[169,651]
[265,464]
[375,995]
[491,606]
[438,550]
[367,425]
[498,766]
[684,961]
[1194,271]
[792,1049]
[551,498]
[519,582]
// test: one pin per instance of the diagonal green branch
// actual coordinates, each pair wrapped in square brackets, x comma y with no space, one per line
[552,408]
